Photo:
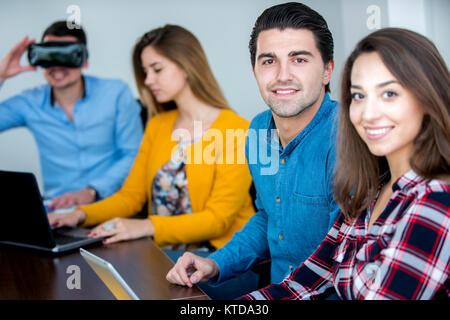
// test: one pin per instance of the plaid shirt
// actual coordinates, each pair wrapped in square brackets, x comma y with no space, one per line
[405,255]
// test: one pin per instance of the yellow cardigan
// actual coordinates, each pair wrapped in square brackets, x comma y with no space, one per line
[218,184]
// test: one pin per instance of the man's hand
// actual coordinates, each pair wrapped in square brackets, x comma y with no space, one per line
[191,269]
[10,64]
[69,199]
[69,219]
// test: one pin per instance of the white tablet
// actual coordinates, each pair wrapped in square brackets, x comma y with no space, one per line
[110,277]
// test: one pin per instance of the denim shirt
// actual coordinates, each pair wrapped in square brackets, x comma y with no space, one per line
[296,208]
[96,149]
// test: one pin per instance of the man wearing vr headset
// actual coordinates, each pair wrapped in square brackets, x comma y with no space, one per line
[87,129]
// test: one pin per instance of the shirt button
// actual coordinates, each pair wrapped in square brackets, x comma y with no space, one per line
[280,236]
[283,161]
[278,200]
[291,267]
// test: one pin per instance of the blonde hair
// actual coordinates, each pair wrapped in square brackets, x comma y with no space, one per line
[183,48]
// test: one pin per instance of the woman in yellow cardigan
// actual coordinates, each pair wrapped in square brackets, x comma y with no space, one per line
[191,164]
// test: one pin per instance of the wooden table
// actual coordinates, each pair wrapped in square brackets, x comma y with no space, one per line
[28,274]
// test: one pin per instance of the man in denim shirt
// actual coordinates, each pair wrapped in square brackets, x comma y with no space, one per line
[290,151]
[88,129]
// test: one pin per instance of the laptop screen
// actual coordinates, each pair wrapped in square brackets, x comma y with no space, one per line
[24,216]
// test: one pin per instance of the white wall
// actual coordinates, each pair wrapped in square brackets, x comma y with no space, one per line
[428,17]
[223,28]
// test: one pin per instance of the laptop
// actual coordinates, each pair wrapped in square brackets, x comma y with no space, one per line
[110,277]
[24,218]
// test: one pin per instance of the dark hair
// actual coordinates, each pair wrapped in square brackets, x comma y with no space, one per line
[417,65]
[296,16]
[60,29]
[183,48]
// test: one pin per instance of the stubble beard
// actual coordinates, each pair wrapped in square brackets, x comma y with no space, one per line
[289,109]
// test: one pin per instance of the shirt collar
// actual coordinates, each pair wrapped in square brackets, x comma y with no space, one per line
[85,85]
[325,109]
[407,181]
[272,137]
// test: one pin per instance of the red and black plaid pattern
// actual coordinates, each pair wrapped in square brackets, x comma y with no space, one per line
[404,255]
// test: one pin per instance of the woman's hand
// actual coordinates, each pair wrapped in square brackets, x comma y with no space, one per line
[120,229]
[70,219]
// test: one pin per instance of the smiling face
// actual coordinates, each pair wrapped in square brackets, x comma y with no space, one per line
[164,78]
[386,115]
[289,70]
[62,77]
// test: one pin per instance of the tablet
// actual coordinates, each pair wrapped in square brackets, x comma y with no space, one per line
[110,277]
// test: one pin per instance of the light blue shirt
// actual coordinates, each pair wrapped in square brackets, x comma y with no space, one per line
[97,149]
[296,207]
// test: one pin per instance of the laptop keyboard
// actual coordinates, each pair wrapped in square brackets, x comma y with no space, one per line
[61,239]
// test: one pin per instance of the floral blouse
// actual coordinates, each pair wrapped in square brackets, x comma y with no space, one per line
[170,193]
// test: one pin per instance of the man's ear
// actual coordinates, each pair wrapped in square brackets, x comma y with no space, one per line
[329,67]
[85,65]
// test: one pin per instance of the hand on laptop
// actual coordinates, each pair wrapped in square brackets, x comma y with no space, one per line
[191,269]
[119,229]
[78,198]
[69,219]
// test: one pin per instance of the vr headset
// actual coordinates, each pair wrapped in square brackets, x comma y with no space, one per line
[55,53]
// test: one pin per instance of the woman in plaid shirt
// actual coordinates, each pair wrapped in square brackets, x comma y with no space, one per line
[391,240]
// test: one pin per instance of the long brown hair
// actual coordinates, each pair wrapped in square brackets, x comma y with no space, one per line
[417,65]
[183,48]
